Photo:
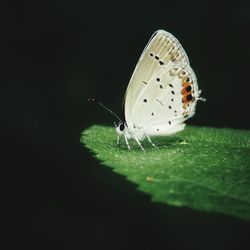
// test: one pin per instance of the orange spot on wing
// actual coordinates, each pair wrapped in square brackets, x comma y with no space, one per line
[186,84]
[185,93]
[185,99]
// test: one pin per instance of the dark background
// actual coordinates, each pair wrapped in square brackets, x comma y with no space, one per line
[56,54]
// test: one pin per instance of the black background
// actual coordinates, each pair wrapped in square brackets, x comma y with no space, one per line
[56,54]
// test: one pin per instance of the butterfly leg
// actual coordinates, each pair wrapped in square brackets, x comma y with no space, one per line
[126,139]
[118,140]
[138,142]
[150,141]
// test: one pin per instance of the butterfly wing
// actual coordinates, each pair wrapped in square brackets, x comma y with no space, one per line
[170,100]
[161,49]
[149,94]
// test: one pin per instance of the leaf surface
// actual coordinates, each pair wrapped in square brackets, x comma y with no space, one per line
[202,168]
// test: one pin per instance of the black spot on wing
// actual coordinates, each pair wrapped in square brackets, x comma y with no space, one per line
[189,97]
[188,88]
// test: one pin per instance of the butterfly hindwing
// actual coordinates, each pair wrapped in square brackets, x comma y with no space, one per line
[167,101]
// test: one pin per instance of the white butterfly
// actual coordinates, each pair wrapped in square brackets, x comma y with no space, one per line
[162,92]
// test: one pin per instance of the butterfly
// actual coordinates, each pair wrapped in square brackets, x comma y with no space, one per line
[162,92]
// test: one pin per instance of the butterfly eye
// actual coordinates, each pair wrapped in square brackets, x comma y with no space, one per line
[121,127]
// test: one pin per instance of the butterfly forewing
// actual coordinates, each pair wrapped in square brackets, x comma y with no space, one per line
[161,49]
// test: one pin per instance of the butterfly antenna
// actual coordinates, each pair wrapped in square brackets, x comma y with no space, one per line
[106,108]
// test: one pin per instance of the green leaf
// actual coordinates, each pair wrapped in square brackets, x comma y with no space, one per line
[202,168]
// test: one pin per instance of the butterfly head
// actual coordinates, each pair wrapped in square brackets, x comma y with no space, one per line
[120,127]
